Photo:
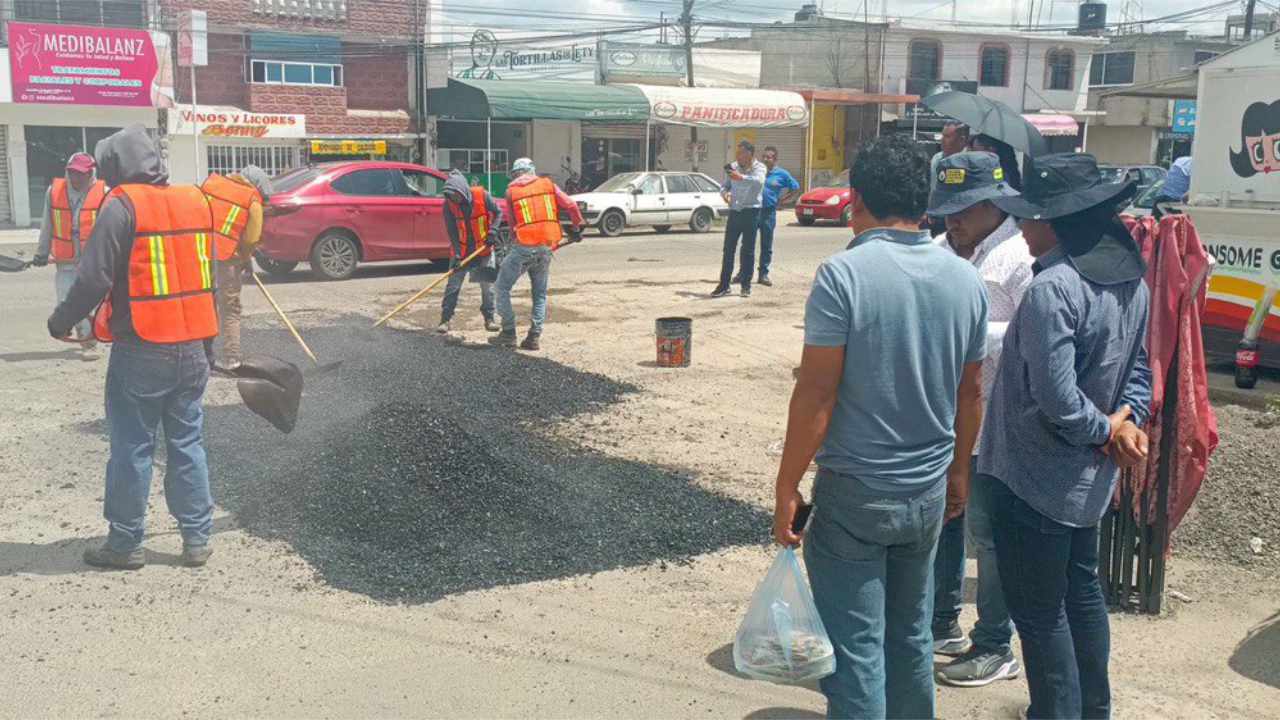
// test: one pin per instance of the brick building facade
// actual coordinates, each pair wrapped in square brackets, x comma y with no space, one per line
[336,70]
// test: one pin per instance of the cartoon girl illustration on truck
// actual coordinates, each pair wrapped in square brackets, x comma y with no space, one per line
[1259,141]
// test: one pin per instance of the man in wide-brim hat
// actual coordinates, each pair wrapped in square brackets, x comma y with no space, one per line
[1071,394]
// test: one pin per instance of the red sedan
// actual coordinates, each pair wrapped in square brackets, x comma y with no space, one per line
[336,215]
[826,203]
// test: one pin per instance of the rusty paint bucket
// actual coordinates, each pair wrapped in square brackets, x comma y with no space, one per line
[675,341]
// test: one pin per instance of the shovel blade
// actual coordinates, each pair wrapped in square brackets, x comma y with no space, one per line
[325,369]
[8,264]
[271,388]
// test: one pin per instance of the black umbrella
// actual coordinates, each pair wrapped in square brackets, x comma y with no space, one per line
[989,117]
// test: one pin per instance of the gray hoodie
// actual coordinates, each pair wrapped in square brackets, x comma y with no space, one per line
[457,182]
[129,156]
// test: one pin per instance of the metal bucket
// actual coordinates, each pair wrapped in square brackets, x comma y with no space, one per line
[675,341]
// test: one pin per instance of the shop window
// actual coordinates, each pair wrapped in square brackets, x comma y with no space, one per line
[111,13]
[1060,65]
[294,73]
[993,67]
[273,159]
[925,60]
[1113,68]
[471,162]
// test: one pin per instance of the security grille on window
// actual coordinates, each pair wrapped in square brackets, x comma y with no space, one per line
[276,72]
[994,66]
[274,159]
[313,9]
[925,61]
[112,13]
[1061,67]
[1114,68]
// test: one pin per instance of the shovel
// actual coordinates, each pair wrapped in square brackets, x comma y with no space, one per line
[318,369]
[271,388]
[13,265]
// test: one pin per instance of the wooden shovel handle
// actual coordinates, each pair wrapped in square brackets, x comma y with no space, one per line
[285,318]
[418,295]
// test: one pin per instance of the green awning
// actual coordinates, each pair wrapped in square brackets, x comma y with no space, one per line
[537,99]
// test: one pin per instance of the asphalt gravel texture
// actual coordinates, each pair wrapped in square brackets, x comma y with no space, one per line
[1240,498]
[421,468]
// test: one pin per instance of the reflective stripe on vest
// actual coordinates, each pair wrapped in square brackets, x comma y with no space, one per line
[536,218]
[229,203]
[63,247]
[171,266]
[479,226]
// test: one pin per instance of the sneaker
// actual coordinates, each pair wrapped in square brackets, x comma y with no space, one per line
[720,292]
[746,291]
[765,281]
[531,341]
[506,338]
[443,328]
[980,667]
[196,555]
[105,557]
[491,325]
[950,640]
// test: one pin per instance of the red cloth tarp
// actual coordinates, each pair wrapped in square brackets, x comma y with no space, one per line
[1177,275]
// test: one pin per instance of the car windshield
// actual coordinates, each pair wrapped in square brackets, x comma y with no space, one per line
[293,179]
[840,181]
[618,183]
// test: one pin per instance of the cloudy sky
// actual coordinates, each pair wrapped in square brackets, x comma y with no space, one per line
[459,20]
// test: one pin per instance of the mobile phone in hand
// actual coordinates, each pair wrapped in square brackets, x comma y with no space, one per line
[802,518]
[728,167]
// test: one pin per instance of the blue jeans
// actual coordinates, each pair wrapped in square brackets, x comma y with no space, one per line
[741,226]
[150,385]
[64,277]
[994,630]
[870,557]
[454,287]
[1049,572]
[767,223]
[521,258]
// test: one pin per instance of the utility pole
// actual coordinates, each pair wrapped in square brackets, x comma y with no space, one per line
[1248,20]
[686,22]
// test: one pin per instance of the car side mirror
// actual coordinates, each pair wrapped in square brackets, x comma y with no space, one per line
[636,191]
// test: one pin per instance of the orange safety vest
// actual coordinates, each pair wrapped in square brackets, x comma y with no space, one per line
[229,202]
[64,248]
[536,219]
[472,235]
[171,266]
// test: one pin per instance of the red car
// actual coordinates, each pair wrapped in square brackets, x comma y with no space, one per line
[826,203]
[336,215]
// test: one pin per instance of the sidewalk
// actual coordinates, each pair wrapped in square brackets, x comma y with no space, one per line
[19,237]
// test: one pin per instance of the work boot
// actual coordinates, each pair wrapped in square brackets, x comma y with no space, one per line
[443,328]
[105,557]
[195,555]
[719,292]
[506,338]
[764,280]
[531,341]
[491,325]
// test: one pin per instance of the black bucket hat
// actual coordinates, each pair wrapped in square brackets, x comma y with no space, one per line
[1062,184]
[966,179]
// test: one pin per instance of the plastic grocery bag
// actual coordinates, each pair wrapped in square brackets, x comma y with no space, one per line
[782,639]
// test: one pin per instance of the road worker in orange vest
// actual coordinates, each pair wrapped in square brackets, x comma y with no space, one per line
[71,207]
[471,217]
[149,268]
[236,202]
[535,204]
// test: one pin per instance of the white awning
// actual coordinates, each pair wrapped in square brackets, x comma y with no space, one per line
[725,107]
[1052,125]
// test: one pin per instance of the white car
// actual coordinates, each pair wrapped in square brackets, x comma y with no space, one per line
[660,199]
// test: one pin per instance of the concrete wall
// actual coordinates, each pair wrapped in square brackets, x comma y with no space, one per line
[719,149]
[828,54]
[1122,144]
[551,141]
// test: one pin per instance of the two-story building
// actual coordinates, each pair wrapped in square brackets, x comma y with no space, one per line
[1132,130]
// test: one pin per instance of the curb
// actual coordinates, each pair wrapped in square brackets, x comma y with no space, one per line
[1254,399]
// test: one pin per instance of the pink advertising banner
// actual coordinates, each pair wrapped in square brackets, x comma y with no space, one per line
[84,65]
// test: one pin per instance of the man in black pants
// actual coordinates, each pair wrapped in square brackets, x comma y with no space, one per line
[743,189]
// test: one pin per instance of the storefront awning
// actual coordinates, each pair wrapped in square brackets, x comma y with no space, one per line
[725,107]
[1053,125]
[538,99]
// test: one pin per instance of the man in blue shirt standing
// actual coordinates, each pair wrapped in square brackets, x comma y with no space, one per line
[1072,390]
[889,398]
[779,189]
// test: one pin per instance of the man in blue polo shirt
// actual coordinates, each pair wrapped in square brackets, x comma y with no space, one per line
[889,398]
[779,189]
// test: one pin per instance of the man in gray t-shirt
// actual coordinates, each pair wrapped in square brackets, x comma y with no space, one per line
[889,400]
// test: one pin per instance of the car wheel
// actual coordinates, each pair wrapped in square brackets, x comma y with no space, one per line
[662,228]
[846,217]
[612,223]
[334,256]
[701,220]
[806,221]
[274,268]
